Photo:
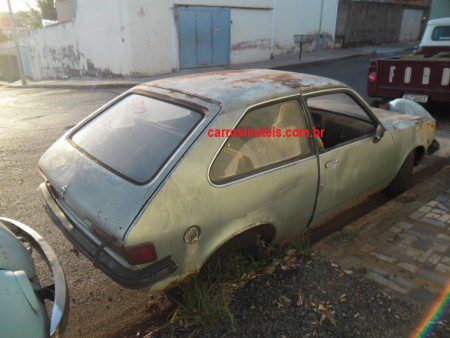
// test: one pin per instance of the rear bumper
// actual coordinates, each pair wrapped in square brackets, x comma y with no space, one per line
[394,93]
[60,308]
[129,278]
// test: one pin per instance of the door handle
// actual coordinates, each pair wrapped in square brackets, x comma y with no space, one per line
[331,163]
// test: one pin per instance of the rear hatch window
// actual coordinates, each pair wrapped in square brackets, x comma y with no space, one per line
[135,136]
[441,33]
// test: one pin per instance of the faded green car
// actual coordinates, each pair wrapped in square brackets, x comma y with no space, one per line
[157,183]
[22,307]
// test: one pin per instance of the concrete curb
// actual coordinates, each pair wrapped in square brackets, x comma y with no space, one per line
[77,86]
[128,84]
[324,61]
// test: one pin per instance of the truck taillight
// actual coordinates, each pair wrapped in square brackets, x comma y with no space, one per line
[141,254]
[372,78]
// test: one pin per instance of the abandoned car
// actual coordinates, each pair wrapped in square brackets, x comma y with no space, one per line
[22,298]
[148,190]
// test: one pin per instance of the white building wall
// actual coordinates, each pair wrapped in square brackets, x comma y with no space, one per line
[411,24]
[65,9]
[139,37]
[250,35]
[303,17]
[91,44]
[150,37]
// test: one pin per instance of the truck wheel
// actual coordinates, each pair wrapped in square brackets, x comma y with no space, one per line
[403,180]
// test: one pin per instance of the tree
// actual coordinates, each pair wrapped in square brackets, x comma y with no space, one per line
[4,37]
[48,9]
[30,20]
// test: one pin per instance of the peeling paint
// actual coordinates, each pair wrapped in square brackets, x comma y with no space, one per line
[66,60]
[92,70]
[141,12]
[253,44]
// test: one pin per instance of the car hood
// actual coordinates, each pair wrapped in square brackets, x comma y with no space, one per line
[394,120]
[90,194]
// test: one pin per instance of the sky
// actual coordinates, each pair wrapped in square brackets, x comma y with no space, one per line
[17,5]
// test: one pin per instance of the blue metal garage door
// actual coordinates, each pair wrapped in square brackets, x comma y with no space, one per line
[26,61]
[204,36]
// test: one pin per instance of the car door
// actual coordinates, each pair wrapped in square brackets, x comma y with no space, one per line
[267,173]
[353,162]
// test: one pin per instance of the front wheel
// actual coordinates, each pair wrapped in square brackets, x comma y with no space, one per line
[403,180]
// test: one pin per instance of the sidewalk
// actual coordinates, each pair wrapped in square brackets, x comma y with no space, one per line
[277,62]
[403,245]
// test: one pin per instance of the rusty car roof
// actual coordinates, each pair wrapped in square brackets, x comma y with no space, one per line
[233,88]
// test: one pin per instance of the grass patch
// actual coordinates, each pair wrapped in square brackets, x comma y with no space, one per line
[205,299]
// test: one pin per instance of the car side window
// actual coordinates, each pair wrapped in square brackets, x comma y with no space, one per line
[253,151]
[340,117]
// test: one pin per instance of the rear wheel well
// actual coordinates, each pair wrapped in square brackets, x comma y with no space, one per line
[265,231]
[418,154]
[249,239]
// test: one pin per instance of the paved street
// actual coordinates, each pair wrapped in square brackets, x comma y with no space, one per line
[30,121]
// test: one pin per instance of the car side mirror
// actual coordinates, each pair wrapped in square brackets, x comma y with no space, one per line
[379,132]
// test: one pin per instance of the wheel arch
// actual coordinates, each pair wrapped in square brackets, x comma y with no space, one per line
[419,153]
[264,231]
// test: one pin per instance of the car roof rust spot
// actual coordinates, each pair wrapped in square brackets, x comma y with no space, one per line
[234,88]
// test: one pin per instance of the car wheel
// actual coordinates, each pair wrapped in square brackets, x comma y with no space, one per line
[403,180]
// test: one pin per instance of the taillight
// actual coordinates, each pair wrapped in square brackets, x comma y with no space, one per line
[141,254]
[373,78]
[135,255]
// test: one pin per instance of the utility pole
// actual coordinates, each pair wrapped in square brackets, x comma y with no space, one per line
[320,28]
[16,42]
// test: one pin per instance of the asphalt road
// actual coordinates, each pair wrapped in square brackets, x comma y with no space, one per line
[30,121]
[352,72]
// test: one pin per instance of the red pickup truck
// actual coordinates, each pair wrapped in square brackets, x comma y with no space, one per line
[423,77]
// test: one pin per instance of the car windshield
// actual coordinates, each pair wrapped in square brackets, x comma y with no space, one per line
[136,135]
[441,33]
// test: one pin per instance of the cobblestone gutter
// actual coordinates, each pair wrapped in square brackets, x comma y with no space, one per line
[404,245]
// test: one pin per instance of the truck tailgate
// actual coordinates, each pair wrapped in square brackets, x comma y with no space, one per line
[399,76]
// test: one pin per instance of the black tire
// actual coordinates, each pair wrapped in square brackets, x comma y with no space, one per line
[403,180]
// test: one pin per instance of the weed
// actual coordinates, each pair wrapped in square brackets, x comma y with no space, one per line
[205,298]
